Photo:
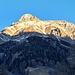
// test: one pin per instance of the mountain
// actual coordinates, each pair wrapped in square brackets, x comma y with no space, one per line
[32,46]
[29,23]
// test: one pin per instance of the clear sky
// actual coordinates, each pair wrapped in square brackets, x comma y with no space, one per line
[12,10]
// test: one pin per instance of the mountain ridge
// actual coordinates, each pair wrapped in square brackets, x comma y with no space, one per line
[29,23]
[31,45]
[38,50]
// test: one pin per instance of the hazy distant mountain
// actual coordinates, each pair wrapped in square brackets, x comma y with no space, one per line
[31,46]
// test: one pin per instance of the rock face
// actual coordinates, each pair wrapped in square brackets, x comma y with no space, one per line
[34,47]
[36,71]
[29,23]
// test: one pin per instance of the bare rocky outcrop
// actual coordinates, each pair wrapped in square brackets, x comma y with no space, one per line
[36,71]
[4,71]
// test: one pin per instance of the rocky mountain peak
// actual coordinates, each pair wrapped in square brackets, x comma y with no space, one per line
[29,23]
[28,17]
[35,47]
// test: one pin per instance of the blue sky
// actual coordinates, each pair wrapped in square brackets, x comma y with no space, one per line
[12,10]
